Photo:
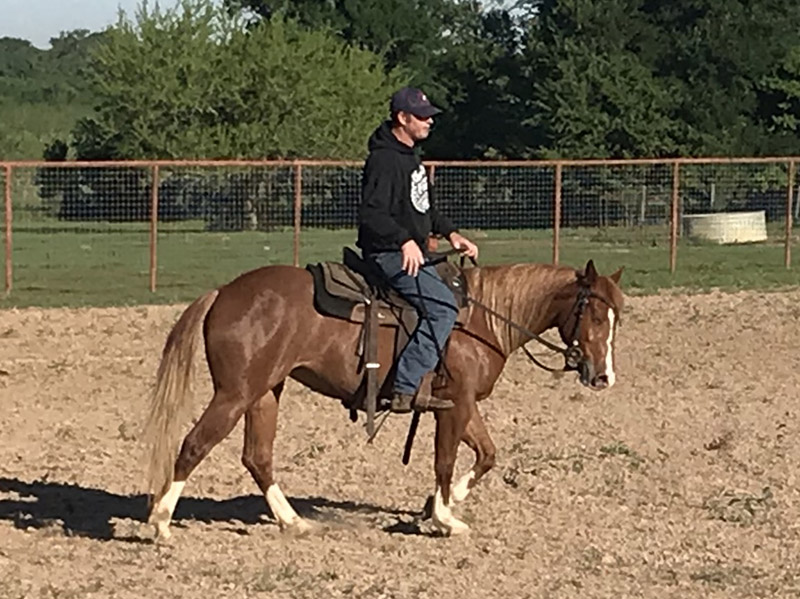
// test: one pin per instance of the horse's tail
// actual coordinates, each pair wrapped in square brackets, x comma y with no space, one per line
[170,397]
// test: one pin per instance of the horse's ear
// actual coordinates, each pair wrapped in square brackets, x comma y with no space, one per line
[617,275]
[590,273]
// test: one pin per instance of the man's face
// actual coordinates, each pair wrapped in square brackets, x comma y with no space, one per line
[417,128]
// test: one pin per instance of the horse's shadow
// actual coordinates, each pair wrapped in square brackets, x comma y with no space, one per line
[88,512]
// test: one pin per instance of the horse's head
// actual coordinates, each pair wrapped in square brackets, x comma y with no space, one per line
[591,326]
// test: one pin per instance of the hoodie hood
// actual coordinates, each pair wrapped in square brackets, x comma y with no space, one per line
[383,139]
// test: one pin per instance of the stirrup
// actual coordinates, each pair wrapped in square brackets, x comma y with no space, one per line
[404,403]
[425,403]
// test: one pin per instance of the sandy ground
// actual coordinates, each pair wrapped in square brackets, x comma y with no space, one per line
[681,481]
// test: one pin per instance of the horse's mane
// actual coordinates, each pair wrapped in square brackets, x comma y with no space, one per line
[520,292]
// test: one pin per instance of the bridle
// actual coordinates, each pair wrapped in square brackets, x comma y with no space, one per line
[573,355]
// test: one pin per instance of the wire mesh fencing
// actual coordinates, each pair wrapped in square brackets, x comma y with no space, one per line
[79,231]
[165,231]
[507,210]
[215,222]
[736,214]
[329,198]
[615,210]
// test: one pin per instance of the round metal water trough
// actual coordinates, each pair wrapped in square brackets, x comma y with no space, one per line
[726,227]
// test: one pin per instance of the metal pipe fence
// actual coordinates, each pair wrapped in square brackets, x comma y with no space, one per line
[139,219]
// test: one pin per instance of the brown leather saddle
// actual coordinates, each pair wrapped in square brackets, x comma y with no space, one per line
[356,290]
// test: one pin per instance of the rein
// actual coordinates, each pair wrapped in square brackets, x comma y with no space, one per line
[572,353]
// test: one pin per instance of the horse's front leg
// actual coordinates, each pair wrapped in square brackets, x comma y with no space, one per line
[450,427]
[477,438]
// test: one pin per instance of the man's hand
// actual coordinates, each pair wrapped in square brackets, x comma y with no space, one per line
[463,245]
[412,257]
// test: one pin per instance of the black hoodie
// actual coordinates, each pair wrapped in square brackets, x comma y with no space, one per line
[396,198]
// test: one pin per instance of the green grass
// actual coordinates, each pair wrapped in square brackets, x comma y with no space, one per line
[69,264]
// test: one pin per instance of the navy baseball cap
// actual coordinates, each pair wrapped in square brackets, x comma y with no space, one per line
[413,101]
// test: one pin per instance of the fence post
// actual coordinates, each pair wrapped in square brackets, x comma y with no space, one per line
[557,214]
[298,204]
[787,255]
[153,229]
[432,241]
[9,216]
[673,229]
[643,207]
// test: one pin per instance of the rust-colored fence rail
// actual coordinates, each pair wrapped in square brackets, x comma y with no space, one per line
[140,201]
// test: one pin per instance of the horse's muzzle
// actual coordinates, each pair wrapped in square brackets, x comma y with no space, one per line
[586,372]
[596,382]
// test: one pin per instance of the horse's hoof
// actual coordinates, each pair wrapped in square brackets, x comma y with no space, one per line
[297,528]
[162,532]
[160,527]
[453,527]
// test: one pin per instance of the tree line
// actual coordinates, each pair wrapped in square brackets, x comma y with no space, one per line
[311,78]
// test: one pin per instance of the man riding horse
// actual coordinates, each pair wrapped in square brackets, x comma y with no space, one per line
[396,217]
[264,327]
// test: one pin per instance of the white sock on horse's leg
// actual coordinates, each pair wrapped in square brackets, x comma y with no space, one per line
[462,488]
[283,511]
[161,515]
[443,517]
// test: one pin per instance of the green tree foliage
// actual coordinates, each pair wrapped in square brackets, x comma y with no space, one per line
[482,79]
[715,56]
[28,74]
[593,94]
[573,78]
[643,77]
[780,103]
[193,82]
[463,53]
[402,32]
[42,92]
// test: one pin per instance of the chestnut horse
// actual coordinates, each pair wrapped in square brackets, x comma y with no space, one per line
[262,327]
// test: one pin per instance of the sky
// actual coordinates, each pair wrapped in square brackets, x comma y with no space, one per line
[39,20]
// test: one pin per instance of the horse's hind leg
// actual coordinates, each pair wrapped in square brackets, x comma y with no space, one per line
[260,424]
[214,425]
[476,437]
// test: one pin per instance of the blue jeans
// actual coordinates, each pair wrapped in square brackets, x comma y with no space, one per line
[432,298]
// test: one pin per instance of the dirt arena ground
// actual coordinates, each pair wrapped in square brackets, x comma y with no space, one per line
[682,481]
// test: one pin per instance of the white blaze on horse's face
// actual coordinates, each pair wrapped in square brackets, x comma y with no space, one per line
[597,344]
[611,376]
